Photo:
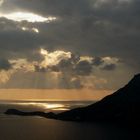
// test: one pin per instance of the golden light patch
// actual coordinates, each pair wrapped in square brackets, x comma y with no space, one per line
[53,58]
[30,17]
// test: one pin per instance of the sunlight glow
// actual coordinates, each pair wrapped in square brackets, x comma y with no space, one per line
[44,105]
[53,58]
[30,29]
[110,60]
[62,109]
[4,76]
[54,106]
[43,51]
[35,30]
[53,94]
[24,28]
[86,58]
[30,17]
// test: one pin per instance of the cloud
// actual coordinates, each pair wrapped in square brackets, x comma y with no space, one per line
[23,64]
[107,63]
[5,76]
[1,2]
[61,61]
[8,68]
[109,67]
[30,29]
[66,69]
[110,3]
[30,17]
[97,61]
[78,71]
[94,28]
[4,64]
[63,7]
[53,58]
[83,68]
[104,31]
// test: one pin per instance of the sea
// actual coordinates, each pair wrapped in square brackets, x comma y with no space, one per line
[39,128]
[45,106]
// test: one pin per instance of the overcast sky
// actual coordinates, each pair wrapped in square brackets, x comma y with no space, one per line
[69,44]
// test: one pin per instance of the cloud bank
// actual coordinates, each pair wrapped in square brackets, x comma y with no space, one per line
[81,39]
[68,69]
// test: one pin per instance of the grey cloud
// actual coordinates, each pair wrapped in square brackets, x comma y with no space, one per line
[73,66]
[14,42]
[83,68]
[69,72]
[104,31]
[54,68]
[48,7]
[109,67]
[79,65]
[66,65]
[69,63]
[97,61]
[4,64]
[111,29]
[66,74]
[38,69]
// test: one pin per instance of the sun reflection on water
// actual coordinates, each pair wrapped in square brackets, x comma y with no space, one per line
[45,106]
[53,106]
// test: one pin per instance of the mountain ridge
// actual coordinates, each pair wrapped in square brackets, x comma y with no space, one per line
[122,105]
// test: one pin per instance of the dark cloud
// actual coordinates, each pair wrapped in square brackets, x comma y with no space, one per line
[77,67]
[83,68]
[38,69]
[4,64]
[14,42]
[68,73]
[89,27]
[49,7]
[98,61]
[66,65]
[109,67]
[82,27]
[54,68]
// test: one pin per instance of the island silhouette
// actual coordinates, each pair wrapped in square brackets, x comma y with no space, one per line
[121,106]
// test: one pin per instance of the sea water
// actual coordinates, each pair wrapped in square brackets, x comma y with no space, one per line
[39,128]
[45,106]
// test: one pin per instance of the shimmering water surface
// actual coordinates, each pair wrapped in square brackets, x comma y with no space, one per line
[38,128]
[46,106]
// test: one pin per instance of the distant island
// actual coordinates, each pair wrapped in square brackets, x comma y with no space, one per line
[121,106]
[34,113]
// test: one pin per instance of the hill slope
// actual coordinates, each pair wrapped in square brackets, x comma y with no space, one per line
[123,105]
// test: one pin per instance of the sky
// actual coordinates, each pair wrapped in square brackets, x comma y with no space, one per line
[69,44]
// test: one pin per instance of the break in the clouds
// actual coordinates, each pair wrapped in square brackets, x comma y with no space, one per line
[82,39]
[68,69]
[30,17]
